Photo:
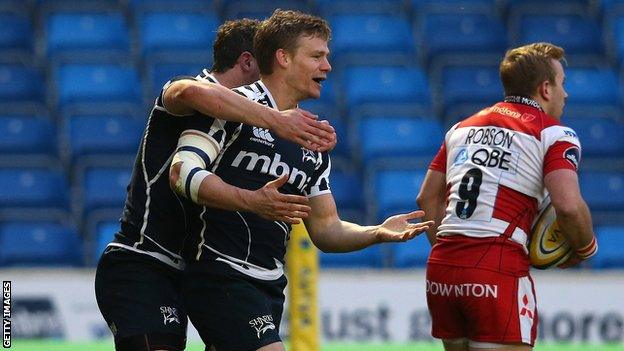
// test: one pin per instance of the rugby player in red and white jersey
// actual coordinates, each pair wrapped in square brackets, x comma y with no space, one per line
[483,189]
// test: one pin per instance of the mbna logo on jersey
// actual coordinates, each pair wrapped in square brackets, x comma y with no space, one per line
[572,155]
[461,158]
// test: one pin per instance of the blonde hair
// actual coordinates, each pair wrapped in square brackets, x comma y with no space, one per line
[524,68]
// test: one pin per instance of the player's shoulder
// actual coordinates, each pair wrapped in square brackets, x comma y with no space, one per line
[250,91]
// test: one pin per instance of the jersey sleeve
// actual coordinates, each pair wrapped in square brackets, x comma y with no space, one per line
[439,161]
[563,149]
[319,182]
[159,103]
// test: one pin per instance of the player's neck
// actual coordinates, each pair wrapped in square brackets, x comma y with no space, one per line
[284,96]
[230,78]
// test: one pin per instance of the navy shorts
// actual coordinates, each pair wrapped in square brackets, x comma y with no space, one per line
[230,310]
[140,300]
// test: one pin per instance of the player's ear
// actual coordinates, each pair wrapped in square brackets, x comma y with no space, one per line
[282,58]
[246,60]
[544,90]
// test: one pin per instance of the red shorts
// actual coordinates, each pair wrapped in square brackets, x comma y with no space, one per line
[481,305]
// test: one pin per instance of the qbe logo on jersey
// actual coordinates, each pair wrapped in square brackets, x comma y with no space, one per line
[6,314]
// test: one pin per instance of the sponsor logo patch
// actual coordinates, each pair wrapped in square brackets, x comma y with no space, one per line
[170,315]
[262,324]
[572,155]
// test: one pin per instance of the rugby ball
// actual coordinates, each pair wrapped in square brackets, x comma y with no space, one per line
[547,246]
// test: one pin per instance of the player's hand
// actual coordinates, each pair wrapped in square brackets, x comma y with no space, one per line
[269,203]
[570,262]
[399,227]
[304,128]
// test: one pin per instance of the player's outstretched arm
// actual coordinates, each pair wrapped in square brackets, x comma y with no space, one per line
[572,214]
[432,199]
[267,202]
[330,234]
[186,96]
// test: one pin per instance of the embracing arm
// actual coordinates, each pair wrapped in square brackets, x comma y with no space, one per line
[432,200]
[186,96]
[330,234]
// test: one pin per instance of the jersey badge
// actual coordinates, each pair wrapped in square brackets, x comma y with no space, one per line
[308,155]
[170,315]
[572,155]
[461,158]
[262,324]
[262,136]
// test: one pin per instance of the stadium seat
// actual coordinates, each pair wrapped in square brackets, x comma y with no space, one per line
[19,83]
[452,34]
[385,85]
[89,83]
[346,187]
[104,187]
[413,253]
[16,35]
[27,135]
[600,137]
[79,33]
[39,244]
[185,31]
[609,247]
[587,85]
[462,84]
[392,136]
[104,235]
[260,9]
[33,187]
[327,8]
[615,33]
[357,37]
[160,72]
[100,135]
[394,190]
[140,6]
[371,257]
[603,191]
[576,33]
[420,6]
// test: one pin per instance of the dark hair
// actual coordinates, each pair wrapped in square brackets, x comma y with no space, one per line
[524,68]
[233,38]
[281,31]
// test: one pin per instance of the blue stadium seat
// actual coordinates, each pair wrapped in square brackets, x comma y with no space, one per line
[16,34]
[356,37]
[39,243]
[388,85]
[461,84]
[36,187]
[603,191]
[599,136]
[347,189]
[160,72]
[616,35]
[139,6]
[97,135]
[413,253]
[99,32]
[395,190]
[391,136]
[260,9]
[420,6]
[104,235]
[27,135]
[576,33]
[19,83]
[184,31]
[89,83]
[587,85]
[452,33]
[327,8]
[104,187]
[609,247]
[371,257]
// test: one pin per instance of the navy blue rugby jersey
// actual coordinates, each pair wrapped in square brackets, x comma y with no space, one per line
[249,158]
[154,220]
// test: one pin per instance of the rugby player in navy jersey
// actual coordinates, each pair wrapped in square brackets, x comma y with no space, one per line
[234,280]
[137,281]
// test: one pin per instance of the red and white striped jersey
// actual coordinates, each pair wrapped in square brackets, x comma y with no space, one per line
[495,162]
